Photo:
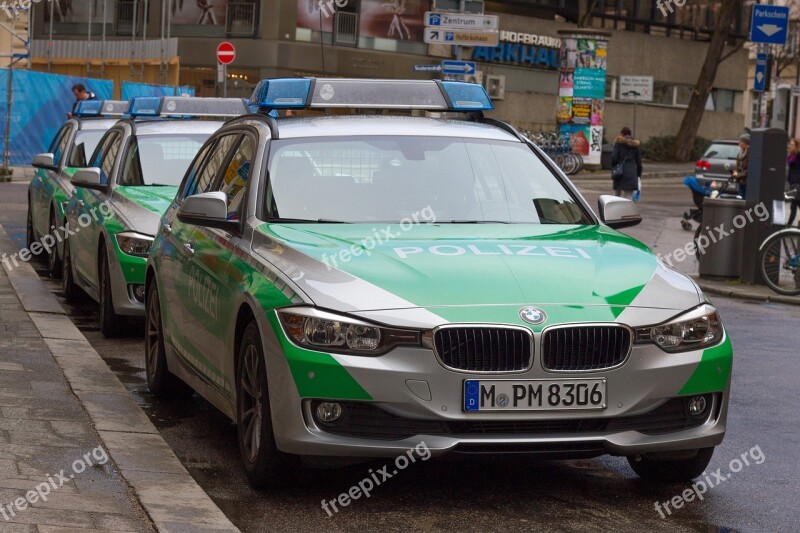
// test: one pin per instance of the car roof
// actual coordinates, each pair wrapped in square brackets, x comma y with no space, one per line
[384,125]
[725,141]
[156,127]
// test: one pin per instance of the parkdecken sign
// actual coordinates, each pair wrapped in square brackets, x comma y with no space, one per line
[519,48]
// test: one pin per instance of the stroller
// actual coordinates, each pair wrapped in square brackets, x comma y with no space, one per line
[727,189]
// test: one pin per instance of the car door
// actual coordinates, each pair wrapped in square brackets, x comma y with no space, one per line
[87,220]
[45,181]
[193,270]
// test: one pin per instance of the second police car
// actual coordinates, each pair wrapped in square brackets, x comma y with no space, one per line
[351,285]
[131,179]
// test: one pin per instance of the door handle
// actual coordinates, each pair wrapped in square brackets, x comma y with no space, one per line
[166,228]
[189,248]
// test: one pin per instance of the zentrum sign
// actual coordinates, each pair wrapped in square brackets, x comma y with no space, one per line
[519,48]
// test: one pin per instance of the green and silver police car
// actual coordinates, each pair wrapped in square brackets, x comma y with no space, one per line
[50,189]
[119,198]
[354,284]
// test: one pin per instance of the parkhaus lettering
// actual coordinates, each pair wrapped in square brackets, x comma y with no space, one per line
[518,54]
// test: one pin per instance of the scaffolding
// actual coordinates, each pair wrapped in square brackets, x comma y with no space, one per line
[20,32]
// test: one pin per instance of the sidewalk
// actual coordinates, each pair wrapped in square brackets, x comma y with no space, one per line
[651,171]
[62,411]
[735,289]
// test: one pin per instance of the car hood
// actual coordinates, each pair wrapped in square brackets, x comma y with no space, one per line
[356,267]
[142,207]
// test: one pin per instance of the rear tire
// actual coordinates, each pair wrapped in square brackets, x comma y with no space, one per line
[671,470]
[30,236]
[54,266]
[110,322]
[162,383]
[264,464]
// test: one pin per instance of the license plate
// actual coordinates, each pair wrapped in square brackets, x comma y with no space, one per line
[534,394]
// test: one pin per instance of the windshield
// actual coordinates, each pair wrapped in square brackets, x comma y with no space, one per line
[367,179]
[85,143]
[159,159]
[721,151]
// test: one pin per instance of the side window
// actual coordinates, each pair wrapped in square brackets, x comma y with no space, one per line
[109,156]
[190,178]
[59,144]
[216,158]
[234,180]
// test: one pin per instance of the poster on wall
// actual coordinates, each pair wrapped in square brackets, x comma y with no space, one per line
[584,60]
[401,20]
[199,12]
[311,17]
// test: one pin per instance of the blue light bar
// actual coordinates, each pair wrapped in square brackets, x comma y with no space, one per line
[145,106]
[282,93]
[467,96]
[101,108]
[326,93]
[186,107]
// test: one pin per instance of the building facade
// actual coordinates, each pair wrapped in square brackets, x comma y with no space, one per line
[384,38]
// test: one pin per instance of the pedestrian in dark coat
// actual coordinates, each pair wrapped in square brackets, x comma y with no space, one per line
[794,177]
[626,151]
[742,164]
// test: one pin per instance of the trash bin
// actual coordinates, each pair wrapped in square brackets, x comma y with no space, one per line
[723,255]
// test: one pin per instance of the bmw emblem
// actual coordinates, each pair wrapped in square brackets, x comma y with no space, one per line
[532,315]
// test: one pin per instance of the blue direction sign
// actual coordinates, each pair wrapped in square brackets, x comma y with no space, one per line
[466,68]
[769,24]
[761,73]
[427,68]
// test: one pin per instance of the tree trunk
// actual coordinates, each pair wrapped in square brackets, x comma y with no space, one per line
[687,133]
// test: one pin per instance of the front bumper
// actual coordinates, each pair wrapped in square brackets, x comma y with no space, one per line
[127,272]
[410,384]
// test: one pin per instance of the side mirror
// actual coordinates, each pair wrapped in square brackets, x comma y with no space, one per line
[209,210]
[616,212]
[88,178]
[44,161]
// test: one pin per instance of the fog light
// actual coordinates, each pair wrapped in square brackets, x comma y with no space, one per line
[329,411]
[138,292]
[697,405]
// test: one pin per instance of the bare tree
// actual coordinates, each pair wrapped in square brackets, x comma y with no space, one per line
[687,133]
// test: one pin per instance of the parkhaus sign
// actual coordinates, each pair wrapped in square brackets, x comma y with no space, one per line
[518,48]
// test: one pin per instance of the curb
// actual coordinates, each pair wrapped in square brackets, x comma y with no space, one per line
[169,495]
[744,295]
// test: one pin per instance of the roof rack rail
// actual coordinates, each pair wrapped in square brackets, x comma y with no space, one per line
[327,93]
[186,107]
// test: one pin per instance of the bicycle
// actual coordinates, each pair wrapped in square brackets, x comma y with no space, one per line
[780,259]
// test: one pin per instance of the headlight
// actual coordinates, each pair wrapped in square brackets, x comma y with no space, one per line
[322,331]
[692,330]
[134,243]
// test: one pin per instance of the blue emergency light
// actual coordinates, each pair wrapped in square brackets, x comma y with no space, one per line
[309,93]
[101,108]
[186,107]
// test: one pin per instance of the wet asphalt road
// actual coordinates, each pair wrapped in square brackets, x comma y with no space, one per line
[495,493]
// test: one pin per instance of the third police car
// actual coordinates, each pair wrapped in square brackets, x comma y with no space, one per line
[354,284]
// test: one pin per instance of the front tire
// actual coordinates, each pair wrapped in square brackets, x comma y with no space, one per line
[671,470]
[110,321]
[162,383]
[264,464]
[54,266]
[68,286]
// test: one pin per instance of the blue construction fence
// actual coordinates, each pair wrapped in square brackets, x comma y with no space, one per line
[41,104]
[42,101]
[131,89]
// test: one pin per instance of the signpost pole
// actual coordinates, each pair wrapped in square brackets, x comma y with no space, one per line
[224,81]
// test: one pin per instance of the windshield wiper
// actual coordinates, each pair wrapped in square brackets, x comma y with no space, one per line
[307,221]
[479,222]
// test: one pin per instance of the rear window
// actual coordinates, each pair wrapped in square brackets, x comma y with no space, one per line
[721,151]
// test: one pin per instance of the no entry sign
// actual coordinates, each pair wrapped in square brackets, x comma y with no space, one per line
[226,53]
